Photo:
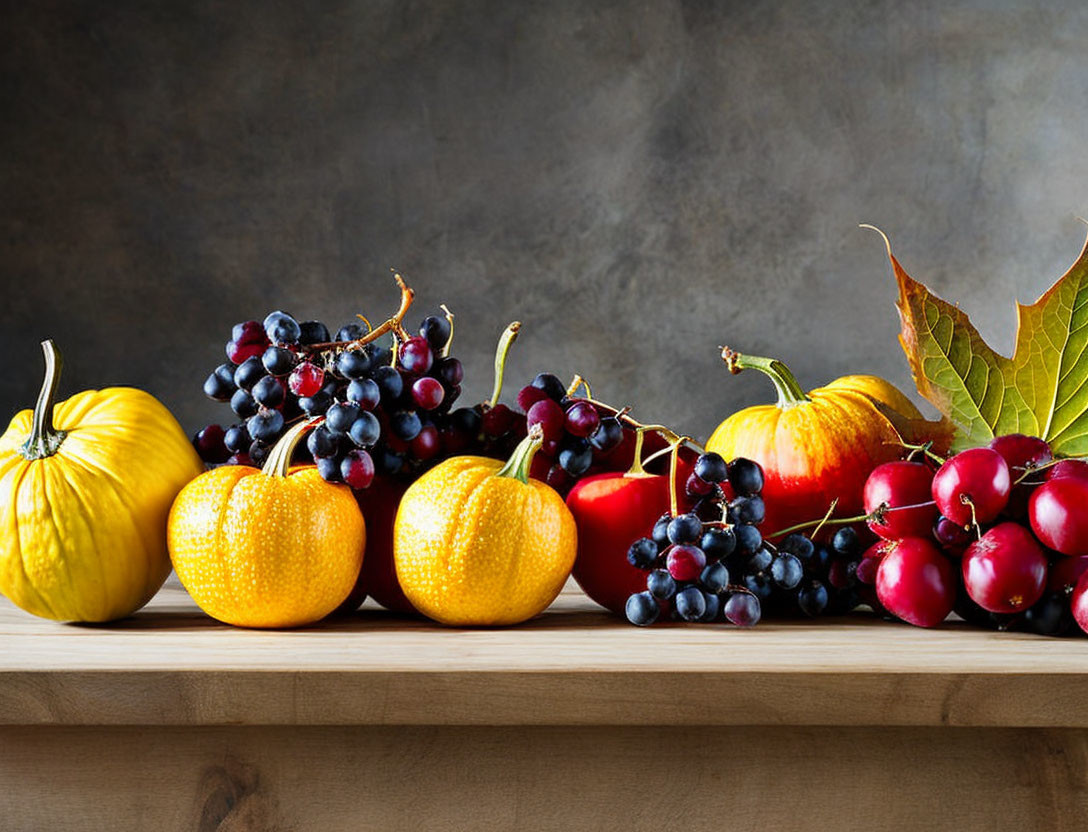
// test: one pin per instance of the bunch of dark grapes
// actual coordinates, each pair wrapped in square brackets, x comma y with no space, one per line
[383,412]
[712,563]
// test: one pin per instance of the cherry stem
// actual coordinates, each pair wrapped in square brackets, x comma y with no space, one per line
[636,469]
[1034,469]
[506,340]
[521,461]
[45,439]
[967,501]
[878,514]
[445,351]
[407,295]
[674,462]
[790,393]
[279,460]
[924,448]
[823,522]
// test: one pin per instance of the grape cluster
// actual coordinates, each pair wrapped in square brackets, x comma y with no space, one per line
[712,562]
[999,534]
[384,411]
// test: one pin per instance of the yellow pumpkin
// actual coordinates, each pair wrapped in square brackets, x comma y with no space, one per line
[276,547]
[85,489]
[478,543]
[820,446]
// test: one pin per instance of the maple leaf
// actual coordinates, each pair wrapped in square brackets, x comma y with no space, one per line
[1041,391]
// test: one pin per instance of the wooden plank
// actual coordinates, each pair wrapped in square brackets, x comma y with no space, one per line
[170,665]
[409,778]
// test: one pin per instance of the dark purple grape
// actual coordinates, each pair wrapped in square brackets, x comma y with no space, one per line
[388,462]
[745,476]
[710,467]
[258,453]
[328,468]
[278,361]
[389,382]
[316,404]
[582,419]
[353,364]
[436,331]
[466,420]
[236,439]
[281,328]
[449,371]
[365,393]
[405,425]
[220,384]
[243,404]
[321,443]
[210,446]
[248,373]
[313,332]
[742,609]
[269,392]
[365,430]
[340,417]
[576,458]
[551,386]
[265,426]
[608,436]
[350,332]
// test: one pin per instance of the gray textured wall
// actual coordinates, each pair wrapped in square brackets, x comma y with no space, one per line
[637,182]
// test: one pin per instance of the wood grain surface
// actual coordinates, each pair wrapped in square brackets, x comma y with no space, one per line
[447,778]
[171,665]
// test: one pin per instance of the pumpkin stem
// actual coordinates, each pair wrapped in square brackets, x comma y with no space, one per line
[506,340]
[44,438]
[279,458]
[522,459]
[790,393]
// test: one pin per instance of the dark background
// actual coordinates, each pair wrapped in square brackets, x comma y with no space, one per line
[637,182]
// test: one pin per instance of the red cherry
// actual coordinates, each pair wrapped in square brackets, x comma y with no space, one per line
[497,420]
[1065,572]
[1005,570]
[901,484]
[973,486]
[916,583]
[1068,469]
[1021,452]
[1058,511]
[1079,603]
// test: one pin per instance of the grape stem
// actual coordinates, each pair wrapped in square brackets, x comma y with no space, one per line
[577,382]
[445,351]
[506,340]
[45,439]
[877,515]
[279,460]
[636,469]
[790,393]
[394,325]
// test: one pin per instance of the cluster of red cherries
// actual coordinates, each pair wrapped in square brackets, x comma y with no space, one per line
[998,534]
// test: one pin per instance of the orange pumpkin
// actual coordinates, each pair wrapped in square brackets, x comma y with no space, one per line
[819,447]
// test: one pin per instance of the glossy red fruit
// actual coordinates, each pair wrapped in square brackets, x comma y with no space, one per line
[1065,572]
[378,576]
[952,539]
[306,379]
[1058,511]
[901,484]
[916,583]
[1021,452]
[685,563]
[977,478]
[1079,603]
[550,416]
[1068,469]
[612,511]
[1006,570]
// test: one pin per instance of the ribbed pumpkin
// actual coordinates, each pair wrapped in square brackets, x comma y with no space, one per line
[820,446]
[85,489]
[479,543]
[276,547]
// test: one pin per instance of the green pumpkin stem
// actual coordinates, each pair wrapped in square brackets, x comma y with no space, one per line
[506,340]
[279,459]
[790,393]
[521,460]
[45,439]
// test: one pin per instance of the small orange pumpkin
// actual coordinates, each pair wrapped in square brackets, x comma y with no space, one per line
[267,548]
[819,447]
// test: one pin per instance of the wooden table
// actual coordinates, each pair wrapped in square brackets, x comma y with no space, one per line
[576,720]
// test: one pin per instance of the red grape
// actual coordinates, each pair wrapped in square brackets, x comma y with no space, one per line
[426,445]
[1005,571]
[1079,603]
[249,332]
[978,479]
[530,395]
[210,446]
[916,582]
[550,416]
[416,355]
[238,353]
[901,484]
[582,419]
[1059,515]
[1076,469]
[428,393]
[357,469]
[497,420]
[685,563]
[306,379]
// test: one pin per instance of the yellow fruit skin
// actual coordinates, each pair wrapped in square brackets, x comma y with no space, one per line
[255,550]
[83,532]
[475,549]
